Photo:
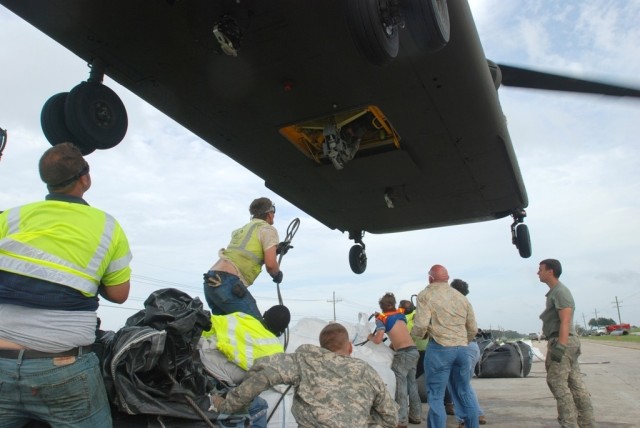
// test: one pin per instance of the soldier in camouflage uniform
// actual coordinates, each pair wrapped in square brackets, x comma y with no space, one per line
[332,389]
[563,349]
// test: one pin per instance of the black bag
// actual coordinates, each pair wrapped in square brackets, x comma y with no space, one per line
[151,367]
[508,360]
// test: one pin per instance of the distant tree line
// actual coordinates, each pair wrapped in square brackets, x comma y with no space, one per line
[601,322]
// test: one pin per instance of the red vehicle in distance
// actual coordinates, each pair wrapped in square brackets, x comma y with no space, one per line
[624,328]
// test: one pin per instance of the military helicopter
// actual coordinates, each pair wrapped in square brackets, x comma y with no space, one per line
[375,116]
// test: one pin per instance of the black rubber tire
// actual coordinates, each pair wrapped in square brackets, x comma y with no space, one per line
[357,259]
[369,34]
[428,23]
[96,115]
[54,127]
[523,241]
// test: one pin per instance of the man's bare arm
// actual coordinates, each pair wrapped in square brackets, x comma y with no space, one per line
[115,293]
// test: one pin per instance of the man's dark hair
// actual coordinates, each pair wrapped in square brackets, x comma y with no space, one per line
[408,306]
[387,302]
[334,337]
[61,165]
[461,286]
[554,265]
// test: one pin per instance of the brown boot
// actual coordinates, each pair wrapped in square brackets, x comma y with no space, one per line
[482,420]
[449,408]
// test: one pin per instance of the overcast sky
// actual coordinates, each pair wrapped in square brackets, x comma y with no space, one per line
[178,199]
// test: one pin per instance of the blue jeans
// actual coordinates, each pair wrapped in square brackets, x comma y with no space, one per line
[473,352]
[64,396]
[258,410]
[444,364]
[226,294]
[404,367]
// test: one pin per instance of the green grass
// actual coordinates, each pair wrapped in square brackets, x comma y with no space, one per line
[606,338]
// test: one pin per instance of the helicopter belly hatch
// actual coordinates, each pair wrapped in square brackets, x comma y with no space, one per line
[340,137]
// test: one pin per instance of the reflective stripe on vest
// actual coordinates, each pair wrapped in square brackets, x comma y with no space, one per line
[247,254]
[243,245]
[243,339]
[34,262]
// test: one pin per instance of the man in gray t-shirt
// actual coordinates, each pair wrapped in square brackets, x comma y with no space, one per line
[563,349]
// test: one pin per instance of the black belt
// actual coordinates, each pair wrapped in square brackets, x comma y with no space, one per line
[407,348]
[29,354]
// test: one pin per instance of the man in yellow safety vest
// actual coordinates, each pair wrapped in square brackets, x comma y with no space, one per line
[253,245]
[56,256]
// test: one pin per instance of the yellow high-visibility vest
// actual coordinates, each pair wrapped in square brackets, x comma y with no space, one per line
[242,338]
[245,249]
[66,243]
[421,343]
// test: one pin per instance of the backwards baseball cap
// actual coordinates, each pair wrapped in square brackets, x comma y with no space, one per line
[276,319]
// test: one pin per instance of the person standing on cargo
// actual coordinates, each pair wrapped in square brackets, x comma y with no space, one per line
[393,322]
[563,349]
[56,256]
[253,245]
[447,318]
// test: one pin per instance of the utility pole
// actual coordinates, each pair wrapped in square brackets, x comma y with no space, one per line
[334,305]
[618,307]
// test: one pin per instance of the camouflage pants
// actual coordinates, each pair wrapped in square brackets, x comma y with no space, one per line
[566,384]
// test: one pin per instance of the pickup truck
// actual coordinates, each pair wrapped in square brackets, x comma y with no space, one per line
[625,328]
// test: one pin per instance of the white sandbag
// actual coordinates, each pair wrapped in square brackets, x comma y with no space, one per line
[279,407]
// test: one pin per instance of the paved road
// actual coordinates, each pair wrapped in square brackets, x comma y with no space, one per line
[612,374]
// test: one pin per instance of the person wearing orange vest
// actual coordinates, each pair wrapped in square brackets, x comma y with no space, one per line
[253,245]
[56,257]
[393,322]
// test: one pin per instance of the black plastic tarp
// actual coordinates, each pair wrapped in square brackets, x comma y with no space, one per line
[512,359]
[152,365]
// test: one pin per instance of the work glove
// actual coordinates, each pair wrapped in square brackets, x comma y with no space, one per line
[283,247]
[277,278]
[557,352]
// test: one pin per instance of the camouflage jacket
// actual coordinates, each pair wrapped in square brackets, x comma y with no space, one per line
[331,390]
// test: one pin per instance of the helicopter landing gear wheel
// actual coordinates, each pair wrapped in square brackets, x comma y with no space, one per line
[357,255]
[357,259]
[523,241]
[53,124]
[520,233]
[96,115]
[374,26]
[428,22]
